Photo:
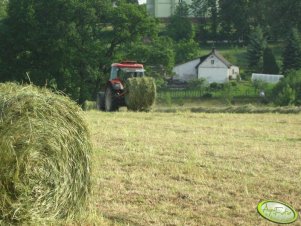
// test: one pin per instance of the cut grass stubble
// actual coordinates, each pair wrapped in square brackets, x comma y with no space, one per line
[194,169]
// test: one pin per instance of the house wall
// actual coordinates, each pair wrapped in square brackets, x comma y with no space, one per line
[213,70]
[186,71]
[233,72]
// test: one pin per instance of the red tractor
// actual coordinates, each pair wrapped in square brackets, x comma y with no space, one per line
[113,95]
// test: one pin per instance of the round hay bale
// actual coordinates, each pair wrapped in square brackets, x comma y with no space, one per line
[44,155]
[141,93]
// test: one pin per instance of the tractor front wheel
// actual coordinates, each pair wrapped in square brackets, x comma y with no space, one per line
[110,102]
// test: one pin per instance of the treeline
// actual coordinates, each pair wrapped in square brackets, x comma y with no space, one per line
[254,24]
[234,20]
[69,45]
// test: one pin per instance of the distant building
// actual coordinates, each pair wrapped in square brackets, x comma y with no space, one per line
[163,8]
[212,67]
[268,78]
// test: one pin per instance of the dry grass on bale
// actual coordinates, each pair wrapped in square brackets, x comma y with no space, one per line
[141,93]
[44,156]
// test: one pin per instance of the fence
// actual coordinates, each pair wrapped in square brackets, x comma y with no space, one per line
[181,93]
[190,93]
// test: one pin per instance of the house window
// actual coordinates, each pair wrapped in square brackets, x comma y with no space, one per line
[212,61]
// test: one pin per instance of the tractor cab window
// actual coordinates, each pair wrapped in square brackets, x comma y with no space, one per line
[126,73]
[114,72]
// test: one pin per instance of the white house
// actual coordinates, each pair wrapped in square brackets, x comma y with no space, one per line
[268,78]
[212,67]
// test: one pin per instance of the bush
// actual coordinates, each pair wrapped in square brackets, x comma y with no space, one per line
[227,93]
[288,90]
[160,83]
[216,86]
[233,83]
[207,95]
[141,93]
[45,156]
[286,96]
[200,84]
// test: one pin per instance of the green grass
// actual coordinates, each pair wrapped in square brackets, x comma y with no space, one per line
[192,169]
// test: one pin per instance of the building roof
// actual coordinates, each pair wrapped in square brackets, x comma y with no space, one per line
[127,64]
[215,53]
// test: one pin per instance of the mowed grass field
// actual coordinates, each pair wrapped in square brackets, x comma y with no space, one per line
[192,168]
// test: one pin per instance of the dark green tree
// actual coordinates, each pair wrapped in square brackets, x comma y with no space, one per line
[186,50]
[126,24]
[234,26]
[292,52]
[207,13]
[158,54]
[130,23]
[257,44]
[282,16]
[269,62]
[67,44]
[52,43]
[180,27]
[213,15]
[257,13]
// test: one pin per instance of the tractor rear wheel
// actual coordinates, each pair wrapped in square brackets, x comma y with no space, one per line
[110,102]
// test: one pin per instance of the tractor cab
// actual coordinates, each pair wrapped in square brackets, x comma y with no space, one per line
[125,70]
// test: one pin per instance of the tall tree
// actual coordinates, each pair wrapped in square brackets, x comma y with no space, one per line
[234,20]
[129,23]
[180,27]
[186,50]
[67,43]
[157,53]
[207,13]
[52,42]
[257,13]
[287,14]
[292,52]
[269,62]
[257,44]
[213,15]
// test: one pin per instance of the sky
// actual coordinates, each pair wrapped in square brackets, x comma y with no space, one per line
[142,1]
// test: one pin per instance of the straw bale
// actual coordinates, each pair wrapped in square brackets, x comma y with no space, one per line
[141,93]
[44,155]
